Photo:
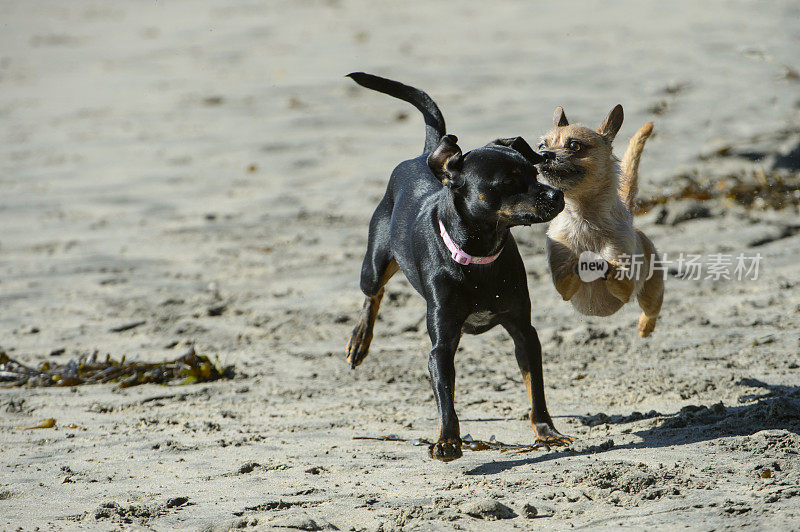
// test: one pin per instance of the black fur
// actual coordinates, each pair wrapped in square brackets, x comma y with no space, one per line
[434,121]
[478,196]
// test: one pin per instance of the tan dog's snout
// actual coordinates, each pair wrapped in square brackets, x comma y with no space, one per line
[548,156]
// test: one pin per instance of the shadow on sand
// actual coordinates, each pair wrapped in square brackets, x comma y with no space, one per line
[778,408]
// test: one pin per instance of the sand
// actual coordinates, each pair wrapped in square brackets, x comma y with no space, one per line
[204,167]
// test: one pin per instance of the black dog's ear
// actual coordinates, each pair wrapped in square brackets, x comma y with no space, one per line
[446,162]
[612,123]
[519,145]
[559,117]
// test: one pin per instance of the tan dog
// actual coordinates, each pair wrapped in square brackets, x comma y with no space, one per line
[599,193]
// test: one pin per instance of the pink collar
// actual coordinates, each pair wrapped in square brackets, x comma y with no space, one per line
[458,255]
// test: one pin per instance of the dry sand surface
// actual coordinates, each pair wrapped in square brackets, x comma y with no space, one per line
[204,167]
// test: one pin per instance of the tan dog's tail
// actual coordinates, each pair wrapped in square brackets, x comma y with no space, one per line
[629,167]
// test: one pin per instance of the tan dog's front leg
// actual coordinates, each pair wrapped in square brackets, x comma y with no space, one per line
[563,268]
[567,285]
[618,282]
[652,294]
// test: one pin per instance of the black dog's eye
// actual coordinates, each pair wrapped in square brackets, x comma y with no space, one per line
[574,145]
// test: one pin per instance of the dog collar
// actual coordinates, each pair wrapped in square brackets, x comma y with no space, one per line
[458,255]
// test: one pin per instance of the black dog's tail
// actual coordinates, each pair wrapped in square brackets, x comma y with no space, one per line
[434,121]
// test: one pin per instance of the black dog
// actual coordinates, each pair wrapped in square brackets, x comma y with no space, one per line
[437,206]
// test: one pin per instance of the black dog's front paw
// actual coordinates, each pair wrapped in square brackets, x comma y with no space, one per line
[445,450]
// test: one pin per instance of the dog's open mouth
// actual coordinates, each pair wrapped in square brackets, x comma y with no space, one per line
[561,175]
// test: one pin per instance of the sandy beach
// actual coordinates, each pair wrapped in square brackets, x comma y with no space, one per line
[202,173]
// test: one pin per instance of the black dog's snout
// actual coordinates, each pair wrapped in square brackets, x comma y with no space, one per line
[555,195]
[548,155]
[552,200]
[547,194]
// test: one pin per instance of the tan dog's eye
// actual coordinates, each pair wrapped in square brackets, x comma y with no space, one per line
[541,146]
[574,145]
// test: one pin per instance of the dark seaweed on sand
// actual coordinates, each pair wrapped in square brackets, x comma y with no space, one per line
[467,442]
[759,190]
[89,369]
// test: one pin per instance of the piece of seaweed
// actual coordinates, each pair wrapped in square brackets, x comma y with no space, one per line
[467,443]
[89,369]
[756,190]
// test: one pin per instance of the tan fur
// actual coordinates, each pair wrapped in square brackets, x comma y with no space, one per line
[597,217]
[629,168]
[651,296]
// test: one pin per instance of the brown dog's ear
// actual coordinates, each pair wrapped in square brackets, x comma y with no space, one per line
[612,123]
[519,144]
[559,117]
[445,162]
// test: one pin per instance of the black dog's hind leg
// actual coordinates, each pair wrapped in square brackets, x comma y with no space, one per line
[528,351]
[377,269]
[445,333]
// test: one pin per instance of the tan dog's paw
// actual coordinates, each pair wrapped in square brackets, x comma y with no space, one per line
[618,282]
[445,450]
[567,286]
[620,289]
[646,325]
